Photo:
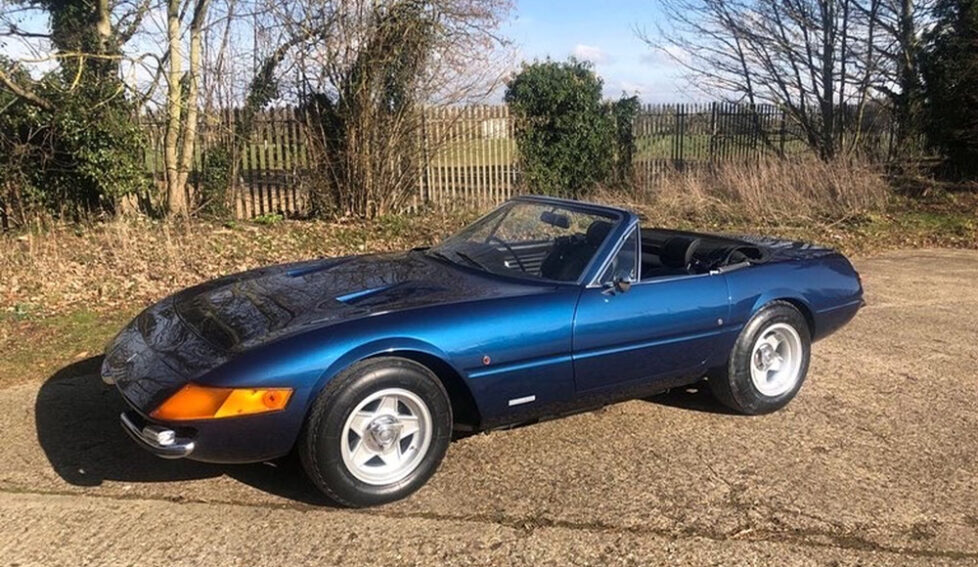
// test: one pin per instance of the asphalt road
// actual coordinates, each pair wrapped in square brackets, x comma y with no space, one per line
[873,464]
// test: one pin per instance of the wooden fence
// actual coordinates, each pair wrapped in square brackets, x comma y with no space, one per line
[470,155]
[273,166]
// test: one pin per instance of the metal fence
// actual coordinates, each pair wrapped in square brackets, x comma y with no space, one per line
[470,155]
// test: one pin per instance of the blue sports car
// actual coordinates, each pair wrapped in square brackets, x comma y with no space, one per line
[365,365]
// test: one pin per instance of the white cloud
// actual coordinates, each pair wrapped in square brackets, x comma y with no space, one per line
[669,55]
[615,89]
[591,53]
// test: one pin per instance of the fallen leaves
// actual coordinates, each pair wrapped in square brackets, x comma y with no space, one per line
[134,262]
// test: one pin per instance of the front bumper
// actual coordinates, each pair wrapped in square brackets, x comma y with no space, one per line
[233,440]
[160,441]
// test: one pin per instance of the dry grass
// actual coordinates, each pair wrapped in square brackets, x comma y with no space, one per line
[772,193]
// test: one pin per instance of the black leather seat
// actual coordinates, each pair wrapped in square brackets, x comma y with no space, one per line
[677,253]
[571,255]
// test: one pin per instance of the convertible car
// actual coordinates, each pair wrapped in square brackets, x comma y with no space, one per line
[367,365]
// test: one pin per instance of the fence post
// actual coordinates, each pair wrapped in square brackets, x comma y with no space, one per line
[679,161]
[425,160]
[713,131]
[782,132]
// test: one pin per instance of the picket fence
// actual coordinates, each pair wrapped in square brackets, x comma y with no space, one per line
[470,154]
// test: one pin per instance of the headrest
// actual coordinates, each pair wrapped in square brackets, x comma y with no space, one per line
[597,232]
[678,251]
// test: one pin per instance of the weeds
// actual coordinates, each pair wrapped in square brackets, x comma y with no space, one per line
[769,193]
[268,219]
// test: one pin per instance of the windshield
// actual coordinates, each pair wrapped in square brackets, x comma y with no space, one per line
[525,239]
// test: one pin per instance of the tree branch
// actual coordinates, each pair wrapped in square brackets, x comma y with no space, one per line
[25,93]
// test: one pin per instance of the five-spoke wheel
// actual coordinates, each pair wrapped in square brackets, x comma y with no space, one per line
[776,360]
[376,432]
[768,363]
[386,436]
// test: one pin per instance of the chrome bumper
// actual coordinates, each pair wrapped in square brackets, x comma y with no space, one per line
[158,440]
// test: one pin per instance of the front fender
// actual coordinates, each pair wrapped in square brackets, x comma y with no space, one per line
[379,347]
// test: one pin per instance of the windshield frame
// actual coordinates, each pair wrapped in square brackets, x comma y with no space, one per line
[619,218]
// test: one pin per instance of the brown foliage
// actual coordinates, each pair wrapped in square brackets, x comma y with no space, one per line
[770,193]
[133,262]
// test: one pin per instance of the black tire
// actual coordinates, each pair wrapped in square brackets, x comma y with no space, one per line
[734,387]
[319,445]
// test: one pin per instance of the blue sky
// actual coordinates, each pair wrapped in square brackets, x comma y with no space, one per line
[602,32]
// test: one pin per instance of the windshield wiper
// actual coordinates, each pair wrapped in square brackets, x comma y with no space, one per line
[472,260]
[462,255]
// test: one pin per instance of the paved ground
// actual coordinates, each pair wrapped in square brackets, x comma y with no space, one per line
[874,464]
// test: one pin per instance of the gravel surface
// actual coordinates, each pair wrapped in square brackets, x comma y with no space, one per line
[873,464]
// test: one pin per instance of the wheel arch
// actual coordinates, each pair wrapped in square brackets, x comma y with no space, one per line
[792,299]
[465,409]
[804,309]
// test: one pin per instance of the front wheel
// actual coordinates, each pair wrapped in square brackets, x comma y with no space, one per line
[768,363]
[377,432]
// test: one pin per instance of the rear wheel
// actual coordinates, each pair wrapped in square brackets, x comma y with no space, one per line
[768,363]
[377,432]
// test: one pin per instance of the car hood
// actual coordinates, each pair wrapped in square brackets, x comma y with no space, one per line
[241,311]
[198,329]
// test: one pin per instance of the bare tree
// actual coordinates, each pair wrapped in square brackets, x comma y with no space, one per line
[365,71]
[901,25]
[815,59]
[182,102]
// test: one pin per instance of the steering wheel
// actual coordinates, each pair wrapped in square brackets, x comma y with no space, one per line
[510,250]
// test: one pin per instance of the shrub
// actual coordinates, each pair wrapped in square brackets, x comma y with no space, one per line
[213,191]
[76,158]
[565,133]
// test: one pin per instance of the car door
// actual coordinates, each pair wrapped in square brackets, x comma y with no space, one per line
[657,329]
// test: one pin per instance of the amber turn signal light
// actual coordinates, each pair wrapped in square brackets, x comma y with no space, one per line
[201,402]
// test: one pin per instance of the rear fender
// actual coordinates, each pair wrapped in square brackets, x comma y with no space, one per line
[784,294]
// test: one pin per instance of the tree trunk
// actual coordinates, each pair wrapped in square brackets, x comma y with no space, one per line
[176,200]
[827,97]
[907,103]
[189,133]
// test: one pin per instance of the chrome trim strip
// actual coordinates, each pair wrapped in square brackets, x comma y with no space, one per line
[180,448]
[614,250]
[616,349]
[861,302]
[484,371]
[523,400]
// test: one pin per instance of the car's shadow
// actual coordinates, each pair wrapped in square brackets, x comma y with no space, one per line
[77,420]
[695,397]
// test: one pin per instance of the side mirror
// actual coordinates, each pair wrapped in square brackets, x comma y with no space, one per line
[618,285]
